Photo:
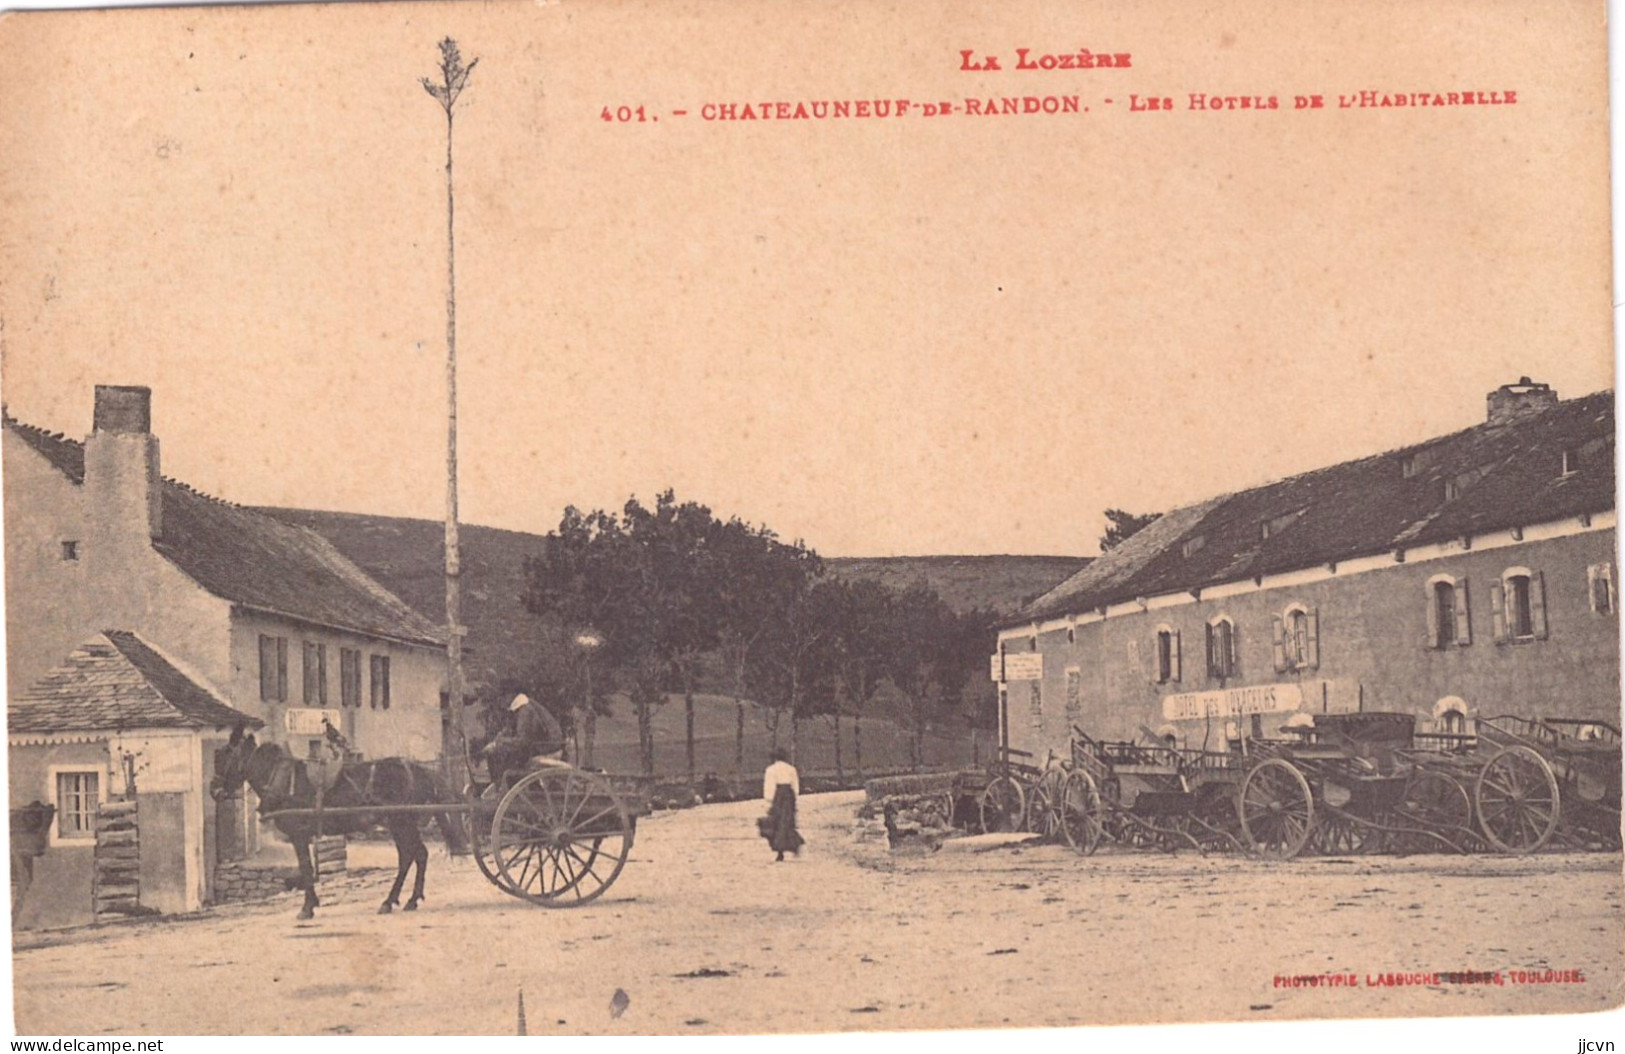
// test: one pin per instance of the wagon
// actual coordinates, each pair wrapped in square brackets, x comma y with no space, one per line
[1350,783]
[1546,778]
[1152,796]
[554,835]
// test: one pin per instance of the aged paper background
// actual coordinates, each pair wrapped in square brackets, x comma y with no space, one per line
[888,335]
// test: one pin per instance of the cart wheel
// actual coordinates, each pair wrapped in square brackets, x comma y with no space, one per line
[1039,817]
[1339,834]
[1003,804]
[1079,811]
[560,837]
[1435,802]
[1276,809]
[1518,800]
[479,840]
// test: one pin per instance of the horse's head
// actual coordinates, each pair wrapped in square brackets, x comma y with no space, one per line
[231,764]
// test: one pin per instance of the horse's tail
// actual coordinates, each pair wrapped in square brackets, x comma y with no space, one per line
[451,826]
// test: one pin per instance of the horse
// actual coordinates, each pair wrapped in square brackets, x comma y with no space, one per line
[285,783]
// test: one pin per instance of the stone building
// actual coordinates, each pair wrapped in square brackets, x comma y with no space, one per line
[1471,575]
[265,617]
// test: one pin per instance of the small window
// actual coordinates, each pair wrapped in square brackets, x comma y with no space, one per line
[273,669]
[1192,546]
[349,677]
[77,797]
[1571,460]
[1600,578]
[315,674]
[70,550]
[1449,623]
[1297,639]
[1221,649]
[1518,605]
[1166,655]
[1408,465]
[379,699]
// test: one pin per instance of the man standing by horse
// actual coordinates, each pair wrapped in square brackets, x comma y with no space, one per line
[534,732]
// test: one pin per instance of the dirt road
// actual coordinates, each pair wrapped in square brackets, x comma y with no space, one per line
[705,934]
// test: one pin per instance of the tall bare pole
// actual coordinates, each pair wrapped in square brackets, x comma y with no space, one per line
[454,77]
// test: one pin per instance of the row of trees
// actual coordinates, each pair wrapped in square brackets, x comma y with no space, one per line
[658,596]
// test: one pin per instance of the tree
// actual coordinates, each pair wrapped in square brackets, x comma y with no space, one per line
[792,670]
[1120,525]
[922,657]
[862,612]
[760,575]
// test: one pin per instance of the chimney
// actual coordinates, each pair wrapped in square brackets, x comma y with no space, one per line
[1514,402]
[122,482]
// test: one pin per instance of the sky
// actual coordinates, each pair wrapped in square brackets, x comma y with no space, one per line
[937,335]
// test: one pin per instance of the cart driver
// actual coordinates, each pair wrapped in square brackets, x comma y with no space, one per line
[534,732]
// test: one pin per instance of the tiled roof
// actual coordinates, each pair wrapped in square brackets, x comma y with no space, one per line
[256,561]
[1485,478]
[117,681]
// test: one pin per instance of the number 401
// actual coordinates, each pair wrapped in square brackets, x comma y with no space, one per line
[623,114]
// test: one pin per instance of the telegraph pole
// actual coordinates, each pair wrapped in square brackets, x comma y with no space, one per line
[454,77]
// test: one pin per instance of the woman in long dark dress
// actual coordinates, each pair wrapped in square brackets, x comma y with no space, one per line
[781,785]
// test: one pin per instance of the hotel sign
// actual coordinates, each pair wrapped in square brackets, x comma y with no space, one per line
[1233,702]
[1023,666]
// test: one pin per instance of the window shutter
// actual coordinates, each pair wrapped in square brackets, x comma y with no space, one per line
[1433,615]
[1498,611]
[1312,649]
[1280,645]
[1173,656]
[267,668]
[1464,617]
[1537,604]
[1234,648]
[282,669]
[1212,653]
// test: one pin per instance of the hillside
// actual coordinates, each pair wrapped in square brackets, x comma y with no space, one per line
[993,583]
[406,556]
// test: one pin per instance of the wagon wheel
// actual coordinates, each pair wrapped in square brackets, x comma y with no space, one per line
[1276,809]
[479,841]
[1518,800]
[1040,817]
[1337,833]
[1437,804]
[561,837]
[1002,805]
[1079,811]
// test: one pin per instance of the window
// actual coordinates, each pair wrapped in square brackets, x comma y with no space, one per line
[1297,639]
[380,682]
[1518,606]
[1449,623]
[1453,722]
[273,669]
[1571,460]
[1167,655]
[1276,524]
[315,674]
[1192,546]
[70,550]
[1408,465]
[349,677]
[1600,580]
[1037,698]
[77,797]
[1222,653]
[1074,694]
